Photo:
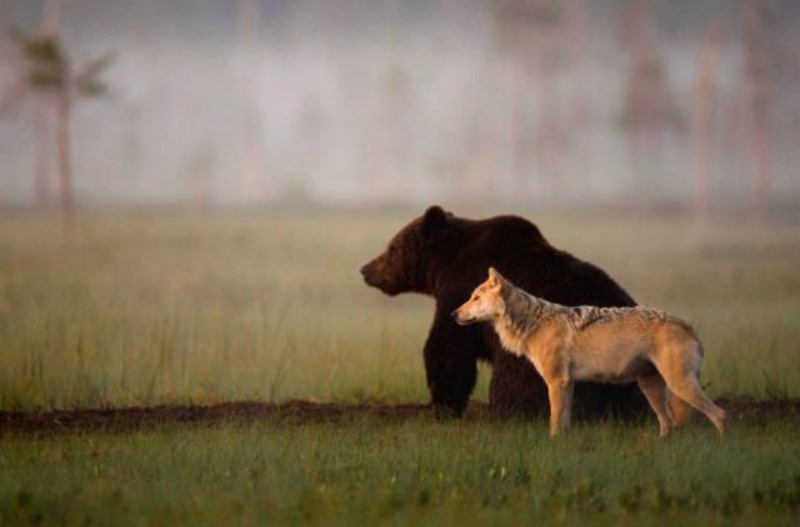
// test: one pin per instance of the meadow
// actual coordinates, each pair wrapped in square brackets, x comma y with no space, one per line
[130,310]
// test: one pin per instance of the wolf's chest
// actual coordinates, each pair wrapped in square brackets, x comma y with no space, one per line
[542,345]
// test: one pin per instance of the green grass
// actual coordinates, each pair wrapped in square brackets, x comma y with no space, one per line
[141,311]
[138,311]
[368,472]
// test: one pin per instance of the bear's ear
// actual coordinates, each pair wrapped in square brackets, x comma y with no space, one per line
[434,219]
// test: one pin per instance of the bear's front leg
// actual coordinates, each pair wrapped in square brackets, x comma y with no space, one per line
[516,389]
[451,356]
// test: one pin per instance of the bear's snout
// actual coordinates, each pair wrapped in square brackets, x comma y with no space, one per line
[369,273]
[374,274]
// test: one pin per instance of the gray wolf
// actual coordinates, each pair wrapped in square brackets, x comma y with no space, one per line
[613,345]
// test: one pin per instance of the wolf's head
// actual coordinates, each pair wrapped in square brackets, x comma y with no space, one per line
[486,302]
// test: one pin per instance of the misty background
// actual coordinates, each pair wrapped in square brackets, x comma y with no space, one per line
[684,104]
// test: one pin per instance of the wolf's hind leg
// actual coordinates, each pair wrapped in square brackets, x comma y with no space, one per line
[688,389]
[655,391]
[678,410]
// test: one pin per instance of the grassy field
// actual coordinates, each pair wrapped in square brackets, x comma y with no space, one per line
[416,472]
[173,310]
[136,311]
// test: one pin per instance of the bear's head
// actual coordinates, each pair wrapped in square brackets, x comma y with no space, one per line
[401,268]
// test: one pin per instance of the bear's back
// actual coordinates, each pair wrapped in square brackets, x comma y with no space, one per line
[517,248]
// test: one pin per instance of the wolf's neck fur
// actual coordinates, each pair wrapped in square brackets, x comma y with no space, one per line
[522,314]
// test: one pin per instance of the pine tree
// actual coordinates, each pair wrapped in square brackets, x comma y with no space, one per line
[49,71]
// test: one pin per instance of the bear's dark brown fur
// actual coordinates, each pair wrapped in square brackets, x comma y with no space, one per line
[444,256]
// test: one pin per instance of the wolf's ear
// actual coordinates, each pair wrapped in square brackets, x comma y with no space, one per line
[434,219]
[494,275]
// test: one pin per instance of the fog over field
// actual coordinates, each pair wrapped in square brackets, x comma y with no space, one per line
[587,102]
[189,188]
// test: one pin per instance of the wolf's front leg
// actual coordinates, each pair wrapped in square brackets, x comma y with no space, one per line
[566,412]
[558,392]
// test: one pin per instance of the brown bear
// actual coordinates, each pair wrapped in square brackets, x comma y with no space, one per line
[444,256]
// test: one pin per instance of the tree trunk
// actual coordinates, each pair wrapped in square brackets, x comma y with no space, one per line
[512,123]
[705,96]
[756,93]
[41,155]
[49,23]
[64,155]
[578,117]
[252,166]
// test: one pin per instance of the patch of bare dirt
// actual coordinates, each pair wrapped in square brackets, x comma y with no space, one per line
[292,412]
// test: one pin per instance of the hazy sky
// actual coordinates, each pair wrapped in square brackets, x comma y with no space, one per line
[395,100]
